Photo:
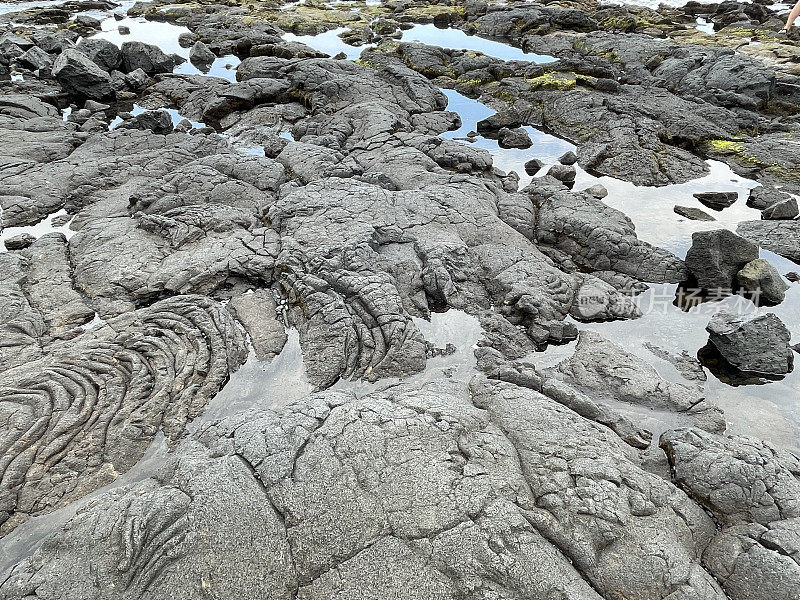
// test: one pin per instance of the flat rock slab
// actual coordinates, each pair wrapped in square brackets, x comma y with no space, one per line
[717,200]
[694,214]
[780,237]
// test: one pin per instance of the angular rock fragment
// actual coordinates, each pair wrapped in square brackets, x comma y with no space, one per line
[79,75]
[781,237]
[717,200]
[784,209]
[717,256]
[103,53]
[147,57]
[757,346]
[763,197]
[200,54]
[18,242]
[513,138]
[695,214]
[763,281]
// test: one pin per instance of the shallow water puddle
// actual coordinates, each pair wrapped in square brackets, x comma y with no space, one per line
[12,7]
[705,26]
[652,208]
[453,327]
[456,39]
[272,384]
[163,35]
[24,540]
[329,42]
[41,228]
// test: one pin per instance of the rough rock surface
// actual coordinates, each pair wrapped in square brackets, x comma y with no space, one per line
[780,237]
[312,221]
[603,370]
[754,345]
[761,278]
[752,489]
[80,75]
[717,256]
[499,506]
[88,411]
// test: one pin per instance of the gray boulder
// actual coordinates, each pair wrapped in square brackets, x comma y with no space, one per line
[568,158]
[200,54]
[79,75]
[756,346]
[783,209]
[533,166]
[157,121]
[765,196]
[147,57]
[781,236]
[717,200]
[18,242]
[564,173]
[598,190]
[761,278]
[103,53]
[513,138]
[36,58]
[717,256]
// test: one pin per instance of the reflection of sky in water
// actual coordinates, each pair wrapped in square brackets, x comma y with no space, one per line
[163,35]
[705,26]
[272,384]
[545,147]
[224,67]
[9,7]
[329,42]
[458,40]
[41,228]
[450,327]
[651,208]
[655,3]
[770,411]
[173,113]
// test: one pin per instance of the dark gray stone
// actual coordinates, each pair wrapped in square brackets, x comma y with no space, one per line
[695,214]
[717,256]
[18,242]
[764,281]
[147,57]
[783,209]
[568,158]
[717,200]
[513,138]
[79,75]
[757,346]
[103,53]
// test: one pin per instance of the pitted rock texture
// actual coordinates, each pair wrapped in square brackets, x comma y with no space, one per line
[753,490]
[512,495]
[320,199]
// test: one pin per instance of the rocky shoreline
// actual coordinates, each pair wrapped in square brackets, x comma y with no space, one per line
[399,300]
